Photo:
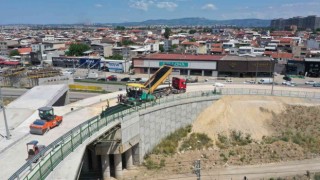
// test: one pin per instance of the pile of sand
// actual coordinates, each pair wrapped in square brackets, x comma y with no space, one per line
[248,114]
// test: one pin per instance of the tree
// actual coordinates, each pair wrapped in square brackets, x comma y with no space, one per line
[192,40]
[318,30]
[161,48]
[116,57]
[192,31]
[127,42]
[14,52]
[121,28]
[77,49]
[167,33]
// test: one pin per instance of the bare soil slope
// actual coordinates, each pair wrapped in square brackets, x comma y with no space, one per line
[248,114]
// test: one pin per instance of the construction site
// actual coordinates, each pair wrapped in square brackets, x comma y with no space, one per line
[21,77]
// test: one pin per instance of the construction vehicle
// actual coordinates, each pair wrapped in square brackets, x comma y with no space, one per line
[154,88]
[33,149]
[46,122]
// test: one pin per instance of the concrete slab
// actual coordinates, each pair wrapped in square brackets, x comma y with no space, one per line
[27,104]
[39,96]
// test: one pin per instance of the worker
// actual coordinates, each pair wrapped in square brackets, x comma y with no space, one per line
[121,96]
[36,150]
[31,152]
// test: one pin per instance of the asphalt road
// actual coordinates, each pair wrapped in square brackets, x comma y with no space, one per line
[15,92]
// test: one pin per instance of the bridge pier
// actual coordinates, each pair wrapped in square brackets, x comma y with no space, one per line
[129,160]
[105,162]
[118,166]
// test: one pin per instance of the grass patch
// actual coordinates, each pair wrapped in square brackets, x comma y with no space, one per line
[169,145]
[236,138]
[196,141]
[152,165]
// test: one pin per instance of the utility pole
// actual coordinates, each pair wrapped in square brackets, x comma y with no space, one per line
[5,117]
[273,65]
[197,169]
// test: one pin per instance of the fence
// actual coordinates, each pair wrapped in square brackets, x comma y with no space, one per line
[85,88]
[54,153]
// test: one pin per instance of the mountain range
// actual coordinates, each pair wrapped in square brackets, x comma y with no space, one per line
[199,22]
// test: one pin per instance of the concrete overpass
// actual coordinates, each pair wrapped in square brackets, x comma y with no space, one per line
[134,123]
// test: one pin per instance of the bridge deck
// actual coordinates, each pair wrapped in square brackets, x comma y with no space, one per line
[13,155]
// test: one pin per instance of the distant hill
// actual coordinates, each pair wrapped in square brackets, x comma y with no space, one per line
[200,22]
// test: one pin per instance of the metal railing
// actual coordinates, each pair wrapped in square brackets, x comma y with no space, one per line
[54,153]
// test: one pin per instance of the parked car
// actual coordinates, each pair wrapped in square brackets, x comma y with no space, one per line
[138,79]
[218,84]
[287,78]
[265,81]
[316,85]
[101,79]
[131,81]
[250,82]
[229,81]
[289,83]
[78,77]
[112,78]
[143,80]
[311,82]
[125,79]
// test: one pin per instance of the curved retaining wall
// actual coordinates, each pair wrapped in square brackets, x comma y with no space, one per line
[155,123]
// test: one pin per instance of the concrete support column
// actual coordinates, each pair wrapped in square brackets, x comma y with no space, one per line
[129,160]
[189,72]
[118,166]
[136,154]
[202,73]
[94,161]
[105,167]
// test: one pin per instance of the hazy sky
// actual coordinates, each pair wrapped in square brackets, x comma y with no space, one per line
[107,11]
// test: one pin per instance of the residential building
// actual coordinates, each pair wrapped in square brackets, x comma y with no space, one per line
[103,49]
[309,22]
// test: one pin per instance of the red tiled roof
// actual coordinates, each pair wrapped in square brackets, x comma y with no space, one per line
[24,50]
[190,43]
[10,62]
[285,40]
[217,45]
[183,57]
[283,55]
[216,50]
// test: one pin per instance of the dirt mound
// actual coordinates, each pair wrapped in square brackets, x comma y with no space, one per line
[248,114]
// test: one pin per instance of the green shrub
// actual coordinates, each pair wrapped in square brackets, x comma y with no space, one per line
[169,145]
[196,141]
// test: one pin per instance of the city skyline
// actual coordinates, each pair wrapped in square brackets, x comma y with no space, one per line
[113,11]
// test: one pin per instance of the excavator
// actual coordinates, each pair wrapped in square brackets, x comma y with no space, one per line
[47,121]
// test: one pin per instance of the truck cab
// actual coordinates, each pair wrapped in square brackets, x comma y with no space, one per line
[178,85]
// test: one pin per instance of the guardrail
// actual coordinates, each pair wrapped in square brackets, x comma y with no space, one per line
[54,153]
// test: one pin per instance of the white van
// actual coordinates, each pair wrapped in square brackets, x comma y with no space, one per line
[265,81]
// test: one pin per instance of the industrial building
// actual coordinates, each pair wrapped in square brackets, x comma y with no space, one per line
[206,65]
[119,66]
[184,64]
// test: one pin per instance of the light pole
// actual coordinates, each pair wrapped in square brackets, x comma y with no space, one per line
[272,64]
[5,117]
[256,72]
